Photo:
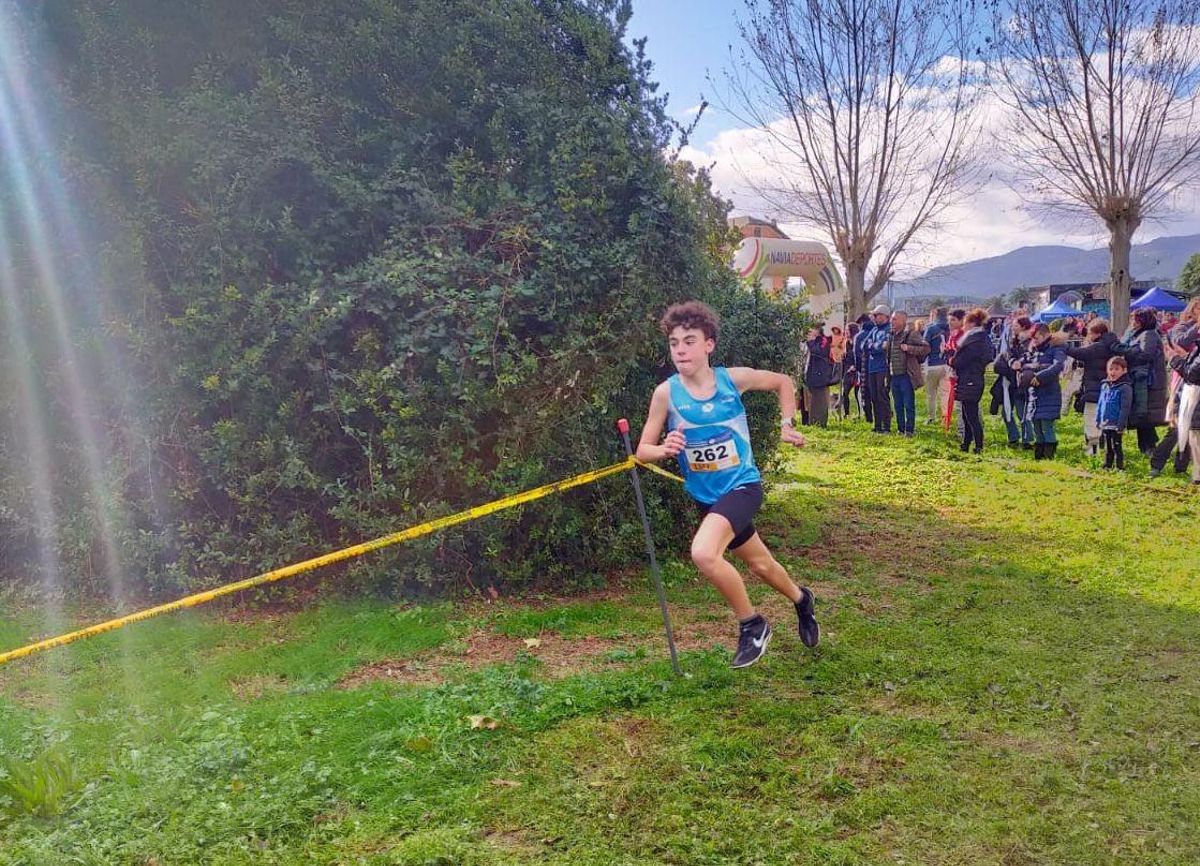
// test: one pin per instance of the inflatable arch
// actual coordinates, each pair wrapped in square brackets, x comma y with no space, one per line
[761,260]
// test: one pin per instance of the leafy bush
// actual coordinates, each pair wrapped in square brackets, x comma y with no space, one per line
[379,261]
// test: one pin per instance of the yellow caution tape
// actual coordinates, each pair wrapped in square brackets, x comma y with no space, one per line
[337,556]
[658,470]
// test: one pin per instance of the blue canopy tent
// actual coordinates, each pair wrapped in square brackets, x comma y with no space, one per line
[1057,310]
[1159,299]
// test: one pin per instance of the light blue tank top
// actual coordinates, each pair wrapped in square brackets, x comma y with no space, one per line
[717,457]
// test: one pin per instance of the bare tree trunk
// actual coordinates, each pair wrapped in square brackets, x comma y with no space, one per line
[1119,279]
[856,300]
[869,108]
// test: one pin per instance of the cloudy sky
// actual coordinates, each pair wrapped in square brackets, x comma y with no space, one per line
[691,54]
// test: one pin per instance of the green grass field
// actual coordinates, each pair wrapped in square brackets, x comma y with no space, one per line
[1010,674]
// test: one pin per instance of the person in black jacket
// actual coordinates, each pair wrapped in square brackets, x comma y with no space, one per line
[1191,379]
[1014,341]
[1143,349]
[1180,340]
[971,357]
[819,373]
[1101,345]
[1187,423]
[850,391]
[859,349]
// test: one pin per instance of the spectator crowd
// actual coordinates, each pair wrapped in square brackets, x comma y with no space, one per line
[1143,381]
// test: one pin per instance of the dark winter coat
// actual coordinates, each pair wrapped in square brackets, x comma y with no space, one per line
[1189,369]
[970,359]
[1045,364]
[820,371]
[1013,352]
[1114,404]
[1185,335]
[1148,372]
[1094,358]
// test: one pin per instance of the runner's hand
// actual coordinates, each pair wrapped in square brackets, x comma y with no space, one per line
[673,444]
[792,437]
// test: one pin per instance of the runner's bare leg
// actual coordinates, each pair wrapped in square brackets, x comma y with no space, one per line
[766,568]
[708,552]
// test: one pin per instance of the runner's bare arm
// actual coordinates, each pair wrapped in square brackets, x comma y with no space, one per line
[748,379]
[648,450]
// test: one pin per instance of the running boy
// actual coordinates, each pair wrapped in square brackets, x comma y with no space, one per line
[701,406]
[1112,411]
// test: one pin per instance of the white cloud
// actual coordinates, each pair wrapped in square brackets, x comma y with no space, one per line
[994,220]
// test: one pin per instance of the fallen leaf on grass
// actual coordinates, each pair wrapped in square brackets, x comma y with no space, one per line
[485,722]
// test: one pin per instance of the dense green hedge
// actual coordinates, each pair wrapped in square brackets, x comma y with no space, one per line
[376,261]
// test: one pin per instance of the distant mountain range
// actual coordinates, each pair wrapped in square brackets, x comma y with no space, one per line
[1160,259]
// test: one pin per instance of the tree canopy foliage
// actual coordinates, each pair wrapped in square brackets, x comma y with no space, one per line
[1189,277]
[380,260]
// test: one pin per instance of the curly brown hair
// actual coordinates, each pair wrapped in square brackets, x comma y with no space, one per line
[691,315]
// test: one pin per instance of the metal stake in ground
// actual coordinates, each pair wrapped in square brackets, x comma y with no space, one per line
[623,426]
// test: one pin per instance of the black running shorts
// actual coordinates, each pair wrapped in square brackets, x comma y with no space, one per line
[738,506]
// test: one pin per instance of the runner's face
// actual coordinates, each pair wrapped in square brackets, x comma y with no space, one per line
[690,349]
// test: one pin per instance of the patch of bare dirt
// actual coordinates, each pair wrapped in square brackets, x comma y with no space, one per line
[898,555]
[696,627]
[28,697]
[514,841]
[254,687]
[558,656]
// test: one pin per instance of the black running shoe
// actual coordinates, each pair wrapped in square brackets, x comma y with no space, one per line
[810,630]
[753,638]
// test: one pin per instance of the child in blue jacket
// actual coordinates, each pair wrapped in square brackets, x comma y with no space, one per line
[1112,411]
